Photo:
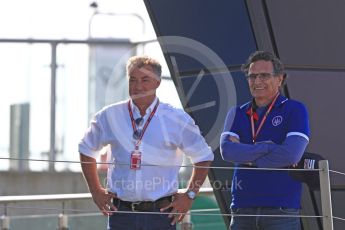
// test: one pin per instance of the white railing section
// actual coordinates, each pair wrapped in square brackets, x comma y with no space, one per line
[62,217]
[325,190]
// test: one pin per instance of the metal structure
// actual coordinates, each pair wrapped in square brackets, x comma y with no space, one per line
[327,216]
[205,44]
[53,70]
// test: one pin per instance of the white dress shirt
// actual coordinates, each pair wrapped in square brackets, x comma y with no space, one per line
[170,133]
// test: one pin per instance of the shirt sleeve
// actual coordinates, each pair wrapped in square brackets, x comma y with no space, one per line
[229,121]
[286,154]
[239,152]
[93,139]
[298,121]
[193,143]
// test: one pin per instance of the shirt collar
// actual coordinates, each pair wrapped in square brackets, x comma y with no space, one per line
[136,110]
[280,100]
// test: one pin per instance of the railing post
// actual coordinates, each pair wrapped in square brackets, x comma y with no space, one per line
[53,67]
[325,190]
[63,222]
[186,223]
[5,223]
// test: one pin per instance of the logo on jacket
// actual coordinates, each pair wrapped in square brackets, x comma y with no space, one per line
[277,120]
[309,164]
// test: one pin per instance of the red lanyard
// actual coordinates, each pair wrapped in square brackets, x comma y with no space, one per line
[145,125]
[255,134]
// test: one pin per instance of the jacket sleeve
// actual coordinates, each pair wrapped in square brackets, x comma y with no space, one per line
[286,154]
[238,152]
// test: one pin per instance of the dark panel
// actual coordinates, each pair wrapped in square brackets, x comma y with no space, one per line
[208,98]
[242,89]
[338,204]
[309,32]
[323,93]
[200,41]
[303,33]
[261,27]
[222,27]
[310,208]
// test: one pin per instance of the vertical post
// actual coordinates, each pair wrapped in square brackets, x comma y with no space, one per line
[186,223]
[53,67]
[5,222]
[63,222]
[325,190]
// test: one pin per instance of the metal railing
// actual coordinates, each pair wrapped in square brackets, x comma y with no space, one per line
[62,217]
[325,190]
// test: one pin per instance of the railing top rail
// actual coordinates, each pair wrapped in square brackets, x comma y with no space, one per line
[66,197]
[90,41]
[50,197]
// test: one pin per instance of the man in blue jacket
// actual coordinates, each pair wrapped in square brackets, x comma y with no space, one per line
[271,131]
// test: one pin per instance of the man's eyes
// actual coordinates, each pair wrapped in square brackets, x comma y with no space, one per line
[143,80]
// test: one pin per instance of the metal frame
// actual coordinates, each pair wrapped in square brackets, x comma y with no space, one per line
[326,197]
[53,65]
[63,218]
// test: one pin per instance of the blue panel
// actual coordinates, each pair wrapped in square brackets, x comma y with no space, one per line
[223,26]
[204,34]
[242,89]
[211,98]
[206,92]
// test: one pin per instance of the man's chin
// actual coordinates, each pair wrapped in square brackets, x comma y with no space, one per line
[259,94]
[140,100]
[139,96]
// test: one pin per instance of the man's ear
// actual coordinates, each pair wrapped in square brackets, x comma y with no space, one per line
[281,79]
[158,83]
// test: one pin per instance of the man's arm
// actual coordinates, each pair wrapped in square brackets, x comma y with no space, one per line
[199,175]
[232,150]
[230,147]
[297,138]
[277,156]
[100,195]
[286,154]
[182,203]
[193,144]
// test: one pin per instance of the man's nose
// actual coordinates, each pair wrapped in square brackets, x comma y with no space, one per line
[258,78]
[138,85]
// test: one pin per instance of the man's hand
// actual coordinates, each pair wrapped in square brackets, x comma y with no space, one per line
[103,199]
[234,139]
[181,204]
[100,196]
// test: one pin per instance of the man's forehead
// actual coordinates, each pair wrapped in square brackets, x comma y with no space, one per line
[144,71]
[261,64]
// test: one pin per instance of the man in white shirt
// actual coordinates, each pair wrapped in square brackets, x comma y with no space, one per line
[146,138]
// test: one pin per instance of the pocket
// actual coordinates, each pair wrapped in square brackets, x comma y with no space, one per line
[289,211]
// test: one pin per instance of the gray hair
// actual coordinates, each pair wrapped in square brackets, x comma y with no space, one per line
[140,61]
[278,67]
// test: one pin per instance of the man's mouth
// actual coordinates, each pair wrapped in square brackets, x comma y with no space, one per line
[136,95]
[259,88]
